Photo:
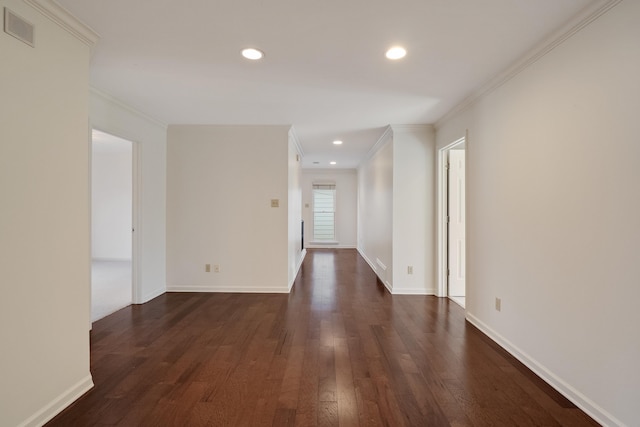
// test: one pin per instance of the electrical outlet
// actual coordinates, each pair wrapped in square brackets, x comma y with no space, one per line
[410,269]
[275,203]
[216,268]
[498,304]
[207,268]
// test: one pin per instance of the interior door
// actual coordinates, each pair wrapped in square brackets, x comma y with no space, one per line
[456,229]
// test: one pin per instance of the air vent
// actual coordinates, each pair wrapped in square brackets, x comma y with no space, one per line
[18,27]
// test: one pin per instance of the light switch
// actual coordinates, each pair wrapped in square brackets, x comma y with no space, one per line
[275,203]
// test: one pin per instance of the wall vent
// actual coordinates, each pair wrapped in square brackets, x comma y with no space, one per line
[18,27]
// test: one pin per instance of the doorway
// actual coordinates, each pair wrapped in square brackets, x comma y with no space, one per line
[112,223]
[452,222]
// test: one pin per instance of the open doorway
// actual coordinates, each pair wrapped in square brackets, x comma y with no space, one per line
[452,222]
[111,224]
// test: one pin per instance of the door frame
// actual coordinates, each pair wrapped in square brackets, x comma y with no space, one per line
[442,191]
[136,292]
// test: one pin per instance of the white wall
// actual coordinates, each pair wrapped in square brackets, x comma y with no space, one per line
[346,182]
[221,180]
[44,221]
[111,196]
[396,209]
[150,137]
[554,215]
[414,209]
[296,253]
[375,209]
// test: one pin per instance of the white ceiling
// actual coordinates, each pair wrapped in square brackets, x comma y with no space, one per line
[324,70]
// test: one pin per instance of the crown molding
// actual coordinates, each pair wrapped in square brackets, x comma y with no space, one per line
[388,133]
[412,128]
[384,138]
[576,24]
[63,18]
[127,107]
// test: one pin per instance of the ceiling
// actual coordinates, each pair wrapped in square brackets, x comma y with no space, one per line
[324,71]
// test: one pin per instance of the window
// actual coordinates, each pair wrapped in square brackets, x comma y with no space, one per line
[324,212]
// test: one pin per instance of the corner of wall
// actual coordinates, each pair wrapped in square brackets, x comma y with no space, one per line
[112,116]
[56,406]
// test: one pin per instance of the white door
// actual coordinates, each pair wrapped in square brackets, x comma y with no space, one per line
[456,240]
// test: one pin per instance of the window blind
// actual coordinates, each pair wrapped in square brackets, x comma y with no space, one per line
[324,211]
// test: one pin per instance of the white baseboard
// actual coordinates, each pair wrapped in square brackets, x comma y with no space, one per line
[414,291]
[151,295]
[295,276]
[387,285]
[579,399]
[230,289]
[241,289]
[375,270]
[57,405]
[329,246]
[363,255]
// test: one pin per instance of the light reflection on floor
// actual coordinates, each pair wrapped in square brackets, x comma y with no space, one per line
[323,296]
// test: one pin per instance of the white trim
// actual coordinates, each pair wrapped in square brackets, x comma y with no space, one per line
[457,300]
[136,224]
[587,16]
[412,128]
[580,400]
[58,404]
[295,276]
[318,245]
[89,230]
[127,108]
[414,291]
[375,270]
[65,20]
[296,142]
[229,289]
[151,295]
[384,139]
[362,254]
[441,215]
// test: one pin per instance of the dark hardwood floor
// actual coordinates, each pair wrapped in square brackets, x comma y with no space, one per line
[338,351]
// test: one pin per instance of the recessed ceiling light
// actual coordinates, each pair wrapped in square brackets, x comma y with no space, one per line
[332,163]
[337,142]
[316,163]
[396,52]
[253,54]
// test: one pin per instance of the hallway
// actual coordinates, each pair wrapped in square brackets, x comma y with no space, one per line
[338,350]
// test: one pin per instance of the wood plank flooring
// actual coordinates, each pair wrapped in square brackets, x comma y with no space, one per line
[338,351]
